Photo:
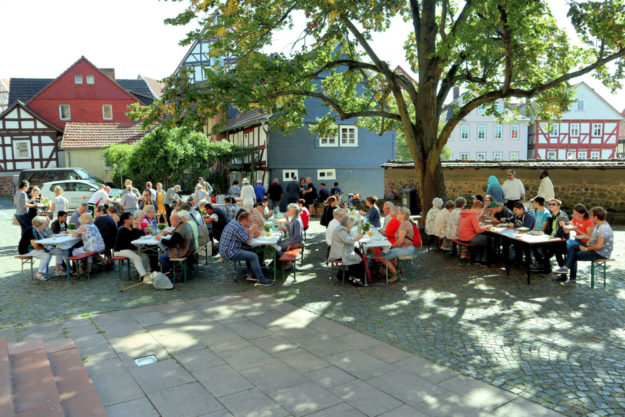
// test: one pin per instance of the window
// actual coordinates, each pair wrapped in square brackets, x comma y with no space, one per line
[481,132]
[597,129]
[480,156]
[464,156]
[574,130]
[107,111]
[78,79]
[582,155]
[326,174]
[554,129]
[85,187]
[571,154]
[90,79]
[464,132]
[499,107]
[580,105]
[498,131]
[481,110]
[287,174]
[514,132]
[497,156]
[348,135]
[64,112]
[514,156]
[594,155]
[552,155]
[22,148]
[329,140]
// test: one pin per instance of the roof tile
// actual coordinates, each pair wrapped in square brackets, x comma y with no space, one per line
[101,135]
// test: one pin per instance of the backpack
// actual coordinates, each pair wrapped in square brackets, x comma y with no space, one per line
[416,240]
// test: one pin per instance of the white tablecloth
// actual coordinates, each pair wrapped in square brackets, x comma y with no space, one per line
[148,240]
[61,241]
[264,240]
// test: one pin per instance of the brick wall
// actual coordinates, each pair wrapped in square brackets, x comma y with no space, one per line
[594,184]
[6,185]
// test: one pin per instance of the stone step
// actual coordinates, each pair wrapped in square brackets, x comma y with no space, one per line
[6,402]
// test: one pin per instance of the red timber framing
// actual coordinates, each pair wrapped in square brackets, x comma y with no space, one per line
[27,140]
[251,137]
[575,136]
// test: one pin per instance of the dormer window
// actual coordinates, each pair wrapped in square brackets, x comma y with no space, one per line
[78,79]
[90,79]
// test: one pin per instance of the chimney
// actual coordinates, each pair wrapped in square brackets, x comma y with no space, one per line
[108,71]
[456,92]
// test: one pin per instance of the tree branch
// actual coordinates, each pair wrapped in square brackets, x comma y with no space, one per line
[462,17]
[416,19]
[441,29]
[507,41]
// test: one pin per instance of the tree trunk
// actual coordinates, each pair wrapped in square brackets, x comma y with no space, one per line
[431,185]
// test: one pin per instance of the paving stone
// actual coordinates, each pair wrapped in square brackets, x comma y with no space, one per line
[246,357]
[198,360]
[304,399]
[330,376]
[404,411]
[301,360]
[246,328]
[113,383]
[159,375]
[325,345]
[521,407]
[272,376]
[426,369]
[477,393]
[222,380]
[407,387]
[360,364]
[188,400]
[366,398]
[135,408]
[339,410]
[253,403]
[274,344]
[175,340]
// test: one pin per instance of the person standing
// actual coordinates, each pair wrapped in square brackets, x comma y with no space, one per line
[324,193]
[275,193]
[292,191]
[20,200]
[513,189]
[217,219]
[148,187]
[248,197]
[58,203]
[494,189]
[135,190]
[235,190]
[161,211]
[310,195]
[170,198]
[259,190]
[545,189]
[101,198]
[205,186]
[129,200]
[373,216]
[199,194]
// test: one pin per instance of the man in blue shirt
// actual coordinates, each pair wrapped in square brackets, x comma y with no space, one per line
[259,190]
[540,214]
[233,237]
[324,193]
[336,189]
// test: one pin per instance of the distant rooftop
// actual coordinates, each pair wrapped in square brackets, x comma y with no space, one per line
[595,163]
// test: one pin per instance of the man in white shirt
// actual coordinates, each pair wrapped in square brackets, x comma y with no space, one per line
[545,189]
[334,223]
[513,189]
[99,198]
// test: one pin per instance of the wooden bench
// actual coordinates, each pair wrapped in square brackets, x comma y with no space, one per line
[76,260]
[401,260]
[120,266]
[291,256]
[603,262]
[466,245]
[25,259]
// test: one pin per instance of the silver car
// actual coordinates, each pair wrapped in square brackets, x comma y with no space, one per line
[76,191]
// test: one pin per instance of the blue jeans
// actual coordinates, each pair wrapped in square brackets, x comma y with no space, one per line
[573,254]
[24,221]
[251,261]
[164,261]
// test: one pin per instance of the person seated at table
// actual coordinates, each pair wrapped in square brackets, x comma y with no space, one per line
[128,231]
[217,218]
[500,213]
[180,245]
[430,218]
[60,224]
[373,216]
[454,219]
[108,230]
[150,218]
[233,238]
[75,217]
[27,246]
[330,205]
[555,228]
[600,246]
[386,208]
[186,217]
[469,231]
[47,231]
[257,219]
[583,224]
[139,217]
[541,214]
[486,214]
[403,245]
[91,238]
[342,248]
[334,223]
[391,228]
[440,225]
[294,228]
[267,212]
[112,211]
[304,213]
[522,218]
[146,200]
[355,202]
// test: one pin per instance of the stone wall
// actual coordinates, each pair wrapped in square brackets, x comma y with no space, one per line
[592,183]
[6,185]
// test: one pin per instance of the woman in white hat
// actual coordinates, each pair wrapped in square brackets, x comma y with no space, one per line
[248,196]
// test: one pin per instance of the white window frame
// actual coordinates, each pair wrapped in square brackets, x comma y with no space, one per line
[497,156]
[599,132]
[498,130]
[328,141]
[580,105]
[513,156]
[515,128]
[287,174]
[481,110]
[480,156]
[595,153]
[574,130]
[571,154]
[69,112]
[465,129]
[78,79]
[464,156]
[345,130]
[500,106]
[483,131]
[554,129]
[582,155]
[90,79]
[16,152]
[552,153]
[326,174]
[104,106]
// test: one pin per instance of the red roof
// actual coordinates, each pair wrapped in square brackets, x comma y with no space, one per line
[100,135]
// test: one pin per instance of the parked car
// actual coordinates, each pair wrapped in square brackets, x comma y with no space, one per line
[37,177]
[76,192]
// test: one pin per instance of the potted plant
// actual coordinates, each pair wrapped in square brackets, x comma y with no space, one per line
[161,226]
[268,229]
[71,226]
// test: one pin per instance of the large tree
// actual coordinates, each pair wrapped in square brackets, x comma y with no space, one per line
[492,49]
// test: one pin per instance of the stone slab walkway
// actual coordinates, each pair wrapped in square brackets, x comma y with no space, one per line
[252,355]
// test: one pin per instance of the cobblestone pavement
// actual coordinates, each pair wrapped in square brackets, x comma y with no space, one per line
[560,347]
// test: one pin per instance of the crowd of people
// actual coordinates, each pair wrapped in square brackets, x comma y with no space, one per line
[503,205]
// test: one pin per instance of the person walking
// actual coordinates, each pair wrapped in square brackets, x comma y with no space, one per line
[248,197]
[513,189]
[259,190]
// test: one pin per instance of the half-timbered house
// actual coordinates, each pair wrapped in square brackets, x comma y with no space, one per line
[588,130]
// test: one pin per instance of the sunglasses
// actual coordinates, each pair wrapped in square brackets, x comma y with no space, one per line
[552,204]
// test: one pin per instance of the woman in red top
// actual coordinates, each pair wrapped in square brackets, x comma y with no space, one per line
[392,226]
[305,214]
[583,223]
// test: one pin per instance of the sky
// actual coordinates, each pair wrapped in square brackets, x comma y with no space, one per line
[42,38]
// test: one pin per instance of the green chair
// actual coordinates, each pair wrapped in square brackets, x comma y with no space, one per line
[603,262]
[178,263]
[120,265]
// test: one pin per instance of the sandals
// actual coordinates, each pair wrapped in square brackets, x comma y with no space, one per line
[40,277]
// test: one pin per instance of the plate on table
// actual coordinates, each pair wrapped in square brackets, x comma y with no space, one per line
[488,220]
[523,229]
[536,233]
[570,227]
